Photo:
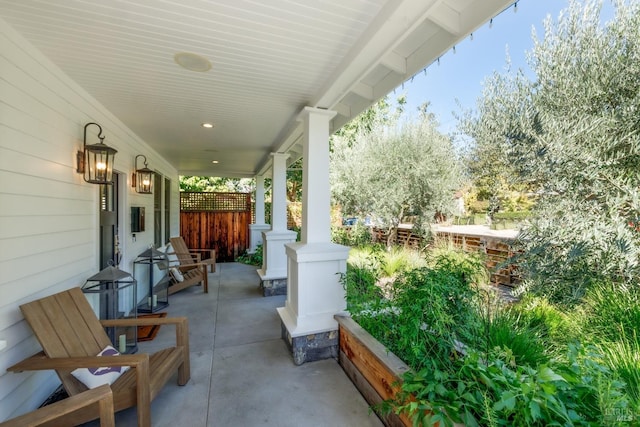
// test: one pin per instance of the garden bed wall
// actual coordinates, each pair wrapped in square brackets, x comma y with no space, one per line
[371,367]
[375,371]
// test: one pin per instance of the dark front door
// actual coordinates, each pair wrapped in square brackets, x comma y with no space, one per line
[109,252]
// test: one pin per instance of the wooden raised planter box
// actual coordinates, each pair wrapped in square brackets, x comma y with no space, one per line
[371,367]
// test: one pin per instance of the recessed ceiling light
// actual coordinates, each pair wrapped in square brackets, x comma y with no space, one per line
[215,162]
[207,125]
[192,61]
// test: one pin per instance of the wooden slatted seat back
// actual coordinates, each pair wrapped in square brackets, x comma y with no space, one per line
[66,326]
[182,251]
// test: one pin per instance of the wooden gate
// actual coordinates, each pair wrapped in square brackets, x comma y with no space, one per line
[216,220]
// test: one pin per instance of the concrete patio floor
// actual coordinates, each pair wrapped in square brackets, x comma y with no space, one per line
[242,373]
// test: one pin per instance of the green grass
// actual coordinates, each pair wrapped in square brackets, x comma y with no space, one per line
[612,311]
[526,340]
[623,358]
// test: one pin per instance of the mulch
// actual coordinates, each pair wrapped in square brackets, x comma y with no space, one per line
[147,333]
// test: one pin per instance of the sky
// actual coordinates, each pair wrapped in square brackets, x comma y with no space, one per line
[460,75]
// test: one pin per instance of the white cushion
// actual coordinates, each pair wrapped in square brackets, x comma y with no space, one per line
[177,274]
[171,255]
[94,377]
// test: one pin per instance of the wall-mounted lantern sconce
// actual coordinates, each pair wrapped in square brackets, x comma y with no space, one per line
[95,162]
[142,179]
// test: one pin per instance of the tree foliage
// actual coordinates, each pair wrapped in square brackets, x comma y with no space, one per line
[378,114]
[493,127]
[391,170]
[216,184]
[573,134]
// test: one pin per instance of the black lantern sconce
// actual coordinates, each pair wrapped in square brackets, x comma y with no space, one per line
[142,179]
[95,162]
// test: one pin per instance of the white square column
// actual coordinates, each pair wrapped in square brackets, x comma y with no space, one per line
[315,265]
[256,229]
[274,263]
[314,290]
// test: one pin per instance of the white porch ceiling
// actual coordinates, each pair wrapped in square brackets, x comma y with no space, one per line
[270,58]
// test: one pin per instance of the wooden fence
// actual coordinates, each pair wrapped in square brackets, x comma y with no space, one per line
[497,249]
[216,220]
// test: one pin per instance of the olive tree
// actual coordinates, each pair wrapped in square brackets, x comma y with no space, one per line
[393,170]
[574,135]
[492,127]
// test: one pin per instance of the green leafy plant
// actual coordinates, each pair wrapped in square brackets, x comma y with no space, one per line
[556,327]
[361,287]
[252,259]
[402,322]
[358,235]
[497,392]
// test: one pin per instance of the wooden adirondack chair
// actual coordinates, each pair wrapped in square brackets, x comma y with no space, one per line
[55,413]
[192,268]
[71,336]
[189,256]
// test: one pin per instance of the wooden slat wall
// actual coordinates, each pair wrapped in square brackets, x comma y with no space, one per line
[404,237]
[227,232]
[498,250]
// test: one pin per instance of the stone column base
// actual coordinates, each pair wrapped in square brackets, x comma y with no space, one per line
[271,287]
[309,348]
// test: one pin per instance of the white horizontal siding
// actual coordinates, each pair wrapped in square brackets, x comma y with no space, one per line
[48,214]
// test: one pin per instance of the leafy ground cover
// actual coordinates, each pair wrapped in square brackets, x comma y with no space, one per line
[252,259]
[480,361]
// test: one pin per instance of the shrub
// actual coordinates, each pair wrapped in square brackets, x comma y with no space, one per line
[252,259]
[516,216]
[407,328]
[360,285]
[468,267]
[358,235]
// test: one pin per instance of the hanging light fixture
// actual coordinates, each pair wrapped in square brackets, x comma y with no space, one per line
[142,179]
[95,162]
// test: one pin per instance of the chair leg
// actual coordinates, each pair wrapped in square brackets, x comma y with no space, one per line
[143,394]
[205,279]
[107,417]
[182,340]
